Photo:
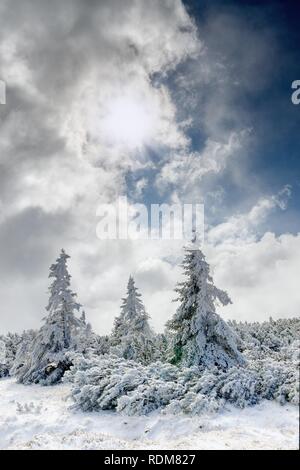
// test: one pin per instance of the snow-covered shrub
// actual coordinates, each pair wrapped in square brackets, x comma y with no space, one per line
[238,386]
[99,382]
[113,383]
[270,338]
[292,352]
[150,396]
[215,388]
[277,381]
[129,387]
[194,404]
[272,349]
[163,383]
[4,370]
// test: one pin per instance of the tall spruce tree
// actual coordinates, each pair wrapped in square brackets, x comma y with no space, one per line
[200,336]
[132,337]
[47,360]
[61,320]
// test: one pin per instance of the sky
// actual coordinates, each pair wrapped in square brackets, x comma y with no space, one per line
[184,102]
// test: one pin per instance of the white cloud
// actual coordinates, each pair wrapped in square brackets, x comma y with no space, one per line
[261,276]
[260,273]
[186,170]
[244,227]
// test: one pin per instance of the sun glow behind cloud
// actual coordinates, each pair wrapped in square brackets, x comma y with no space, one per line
[129,122]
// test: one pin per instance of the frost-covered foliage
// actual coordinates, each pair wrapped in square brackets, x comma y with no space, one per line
[161,347]
[272,348]
[4,369]
[8,348]
[271,372]
[100,344]
[112,383]
[216,387]
[274,338]
[86,341]
[47,361]
[23,351]
[132,337]
[201,337]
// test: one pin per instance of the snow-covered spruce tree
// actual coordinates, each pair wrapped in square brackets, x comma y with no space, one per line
[8,348]
[47,360]
[23,351]
[87,342]
[83,340]
[201,337]
[132,337]
[4,369]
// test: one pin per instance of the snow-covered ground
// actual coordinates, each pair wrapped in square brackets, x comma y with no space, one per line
[35,417]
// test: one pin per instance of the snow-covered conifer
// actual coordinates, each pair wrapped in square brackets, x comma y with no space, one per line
[201,337]
[47,362]
[23,351]
[132,337]
[8,349]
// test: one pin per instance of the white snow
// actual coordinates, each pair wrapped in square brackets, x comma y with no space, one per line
[36,417]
